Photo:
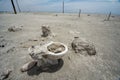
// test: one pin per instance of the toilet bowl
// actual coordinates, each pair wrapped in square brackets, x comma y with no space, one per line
[49,50]
[56,55]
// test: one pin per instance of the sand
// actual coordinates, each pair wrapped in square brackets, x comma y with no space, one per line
[105,35]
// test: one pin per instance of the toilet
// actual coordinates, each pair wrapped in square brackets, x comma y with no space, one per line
[48,53]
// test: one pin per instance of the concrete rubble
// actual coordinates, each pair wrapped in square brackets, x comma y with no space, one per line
[45,31]
[83,47]
[15,28]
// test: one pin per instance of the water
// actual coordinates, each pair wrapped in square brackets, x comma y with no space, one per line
[87,6]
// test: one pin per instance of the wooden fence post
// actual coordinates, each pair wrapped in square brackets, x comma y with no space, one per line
[63,7]
[13,7]
[108,18]
[79,12]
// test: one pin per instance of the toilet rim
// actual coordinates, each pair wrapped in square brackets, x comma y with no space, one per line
[49,52]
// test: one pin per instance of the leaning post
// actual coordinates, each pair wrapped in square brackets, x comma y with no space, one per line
[13,7]
[108,18]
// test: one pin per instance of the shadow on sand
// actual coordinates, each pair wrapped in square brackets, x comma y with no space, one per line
[51,69]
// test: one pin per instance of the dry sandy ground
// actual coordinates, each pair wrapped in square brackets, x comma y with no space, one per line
[105,35]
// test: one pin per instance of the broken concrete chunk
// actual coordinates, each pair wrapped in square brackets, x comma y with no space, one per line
[14,29]
[28,66]
[83,47]
[46,31]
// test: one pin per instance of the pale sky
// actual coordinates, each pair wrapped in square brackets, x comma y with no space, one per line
[92,6]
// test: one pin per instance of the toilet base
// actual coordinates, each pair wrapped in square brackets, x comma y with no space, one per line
[44,62]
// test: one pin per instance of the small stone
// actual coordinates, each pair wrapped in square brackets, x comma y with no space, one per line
[11,50]
[6,74]
[69,58]
[14,29]
[56,15]
[88,15]
[35,40]
[21,26]
[83,47]
[1,36]
[32,40]
[3,43]
[2,46]
[112,16]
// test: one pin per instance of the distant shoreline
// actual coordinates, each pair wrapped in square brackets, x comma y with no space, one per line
[10,12]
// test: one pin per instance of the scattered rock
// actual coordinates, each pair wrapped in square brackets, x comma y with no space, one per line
[29,43]
[46,31]
[83,47]
[14,29]
[32,40]
[113,16]
[56,15]
[3,43]
[10,50]
[1,36]
[88,15]
[28,66]
[21,26]
[69,58]
[6,74]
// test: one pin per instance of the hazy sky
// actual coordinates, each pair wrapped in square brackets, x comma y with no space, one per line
[91,6]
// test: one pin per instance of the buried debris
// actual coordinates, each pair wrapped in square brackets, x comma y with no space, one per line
[14,28]
[5,74]
[46,31]
[83,47]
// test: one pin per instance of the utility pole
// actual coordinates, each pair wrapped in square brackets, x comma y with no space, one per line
[63,7]
[18,6]
[13,7]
